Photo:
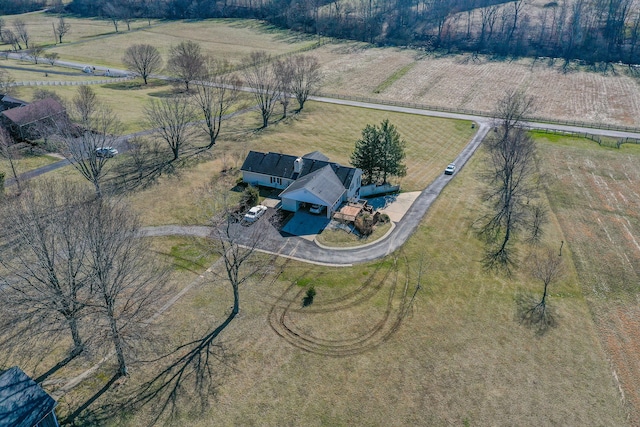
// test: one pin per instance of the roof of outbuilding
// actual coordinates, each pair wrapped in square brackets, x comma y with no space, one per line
[322,183]
[23,403]
[35,111]
[281,165]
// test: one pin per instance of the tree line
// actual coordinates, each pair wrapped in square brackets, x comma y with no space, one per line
[600,31]
[12,7]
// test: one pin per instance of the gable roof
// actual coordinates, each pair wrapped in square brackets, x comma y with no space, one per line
[316,155]
[7,102]
[281,165]
[322,184]
[23,403]
[35,111]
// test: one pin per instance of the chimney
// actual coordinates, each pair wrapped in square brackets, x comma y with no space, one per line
[297,165]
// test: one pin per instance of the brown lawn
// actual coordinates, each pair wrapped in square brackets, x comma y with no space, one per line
[594,192]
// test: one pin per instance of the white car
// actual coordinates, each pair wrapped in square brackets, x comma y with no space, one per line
[316,209]
[450,169]
[107,152]
[255,213]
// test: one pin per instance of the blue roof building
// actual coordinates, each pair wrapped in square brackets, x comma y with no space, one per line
[23,403]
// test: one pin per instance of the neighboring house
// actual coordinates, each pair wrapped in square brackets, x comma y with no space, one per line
[35,120]
[23,403]
[7,102]
[310,179]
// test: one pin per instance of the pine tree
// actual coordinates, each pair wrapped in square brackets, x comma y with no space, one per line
[379,153]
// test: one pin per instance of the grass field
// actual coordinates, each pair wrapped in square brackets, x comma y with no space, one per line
[39,26]
[222,39]
[25,161]
[457,81]
[336,238]
[595,196]
[331,129]
[366,352]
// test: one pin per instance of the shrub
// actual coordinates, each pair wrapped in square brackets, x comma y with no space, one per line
[308,299]
[250,197]
[364,224]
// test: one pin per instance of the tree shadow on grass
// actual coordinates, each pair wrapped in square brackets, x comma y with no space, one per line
[82,417]
[191,370]
[534,313]
[61,364]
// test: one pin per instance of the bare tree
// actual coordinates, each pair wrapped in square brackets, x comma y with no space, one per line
[21,32]
[82,145]
[61,29]
[7,83]
[547,267]
[215,96]
[170,119]
[193,368]
[236,247]
[46,93]
[6,151]
[128,284]
[36,52]
[51,58]
[511,175]
[143,59]
[283,69]
[186,62]
[9,37]
[306,77]
[259,75]
[47,285]
[512,109]
[113,13]
[85,104]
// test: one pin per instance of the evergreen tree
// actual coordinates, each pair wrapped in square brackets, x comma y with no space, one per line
[379,153]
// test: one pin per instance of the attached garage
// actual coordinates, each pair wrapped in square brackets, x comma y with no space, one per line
[321,187]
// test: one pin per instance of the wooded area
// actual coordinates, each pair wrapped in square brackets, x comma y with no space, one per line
[599,31]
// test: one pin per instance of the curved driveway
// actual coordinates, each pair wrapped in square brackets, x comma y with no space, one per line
[272,241]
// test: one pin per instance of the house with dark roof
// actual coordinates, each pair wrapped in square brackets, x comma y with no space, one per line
[23,403]
[7,102]
[35,120]
[310,179]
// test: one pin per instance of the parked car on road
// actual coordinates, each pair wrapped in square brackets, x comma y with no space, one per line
[107,152]
[255,213]
[450,169]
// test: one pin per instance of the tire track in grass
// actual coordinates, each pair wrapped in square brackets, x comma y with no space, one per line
[397,306]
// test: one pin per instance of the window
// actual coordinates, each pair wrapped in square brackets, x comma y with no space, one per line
[276,180]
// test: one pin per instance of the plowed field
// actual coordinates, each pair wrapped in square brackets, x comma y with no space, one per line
[460,81]
[596,197]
